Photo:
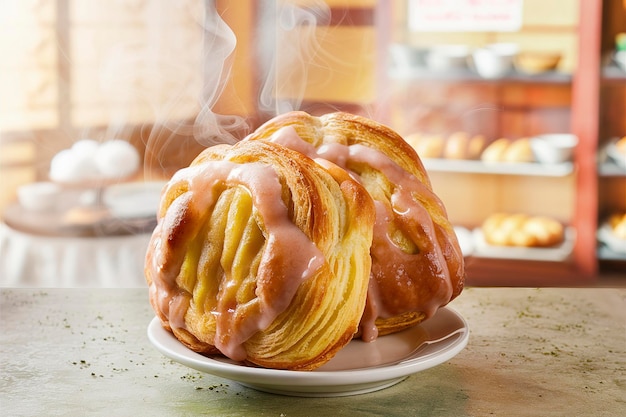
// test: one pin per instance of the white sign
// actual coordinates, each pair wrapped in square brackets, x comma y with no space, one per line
[465,15]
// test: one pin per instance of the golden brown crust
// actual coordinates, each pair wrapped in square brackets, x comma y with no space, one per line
[504,229]
[428,270]
[216,259]
[495,151]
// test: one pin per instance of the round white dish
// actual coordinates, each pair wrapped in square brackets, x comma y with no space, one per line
[357,369]
[554,148]
[133,199]
[38,196]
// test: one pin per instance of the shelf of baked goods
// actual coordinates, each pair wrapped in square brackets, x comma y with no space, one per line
[495,62]
[543,155]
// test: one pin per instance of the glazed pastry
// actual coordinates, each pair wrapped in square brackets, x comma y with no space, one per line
[503,229]
[417,265]
[262,255]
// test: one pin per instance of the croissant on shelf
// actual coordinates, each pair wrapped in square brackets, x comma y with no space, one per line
[310,232]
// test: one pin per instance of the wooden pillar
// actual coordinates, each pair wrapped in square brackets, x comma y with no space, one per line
[585,116]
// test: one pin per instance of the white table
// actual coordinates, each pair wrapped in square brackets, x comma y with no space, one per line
[30,260]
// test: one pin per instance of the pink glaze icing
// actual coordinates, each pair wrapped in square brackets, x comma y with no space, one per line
[399,282]
[281,269]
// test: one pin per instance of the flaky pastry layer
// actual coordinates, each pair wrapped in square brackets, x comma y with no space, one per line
[262,255]
[417,264]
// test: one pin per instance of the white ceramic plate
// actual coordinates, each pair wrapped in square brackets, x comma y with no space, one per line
[553,253]
[357,369]
[133,199]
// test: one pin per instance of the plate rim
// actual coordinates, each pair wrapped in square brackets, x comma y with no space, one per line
[264,378]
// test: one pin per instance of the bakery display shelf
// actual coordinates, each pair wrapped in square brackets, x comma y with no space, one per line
[502,168]
[558,253]
[467,75]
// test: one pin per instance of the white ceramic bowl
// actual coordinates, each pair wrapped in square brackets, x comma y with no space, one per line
[38,196]
[554,148]
[494,60]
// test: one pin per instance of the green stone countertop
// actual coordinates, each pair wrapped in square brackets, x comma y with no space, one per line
[532,352]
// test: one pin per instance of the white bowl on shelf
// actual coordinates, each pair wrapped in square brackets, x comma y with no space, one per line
[554,148]
[494,60]
[39,196]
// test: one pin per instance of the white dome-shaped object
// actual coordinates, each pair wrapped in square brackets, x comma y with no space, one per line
[86,146]
[117,158]
[70,166]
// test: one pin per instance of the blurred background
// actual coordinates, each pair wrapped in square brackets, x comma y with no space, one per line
[516,107]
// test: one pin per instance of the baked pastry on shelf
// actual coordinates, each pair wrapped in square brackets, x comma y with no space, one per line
[459,145]
[427,146]
[505,229]
[508,150]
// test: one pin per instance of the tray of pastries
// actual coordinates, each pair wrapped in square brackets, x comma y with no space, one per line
[523,236]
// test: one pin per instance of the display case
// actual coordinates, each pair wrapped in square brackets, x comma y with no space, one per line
[581,94]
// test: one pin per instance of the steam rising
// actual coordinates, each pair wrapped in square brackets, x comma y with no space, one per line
[157,73]
[295,43]
[220,42]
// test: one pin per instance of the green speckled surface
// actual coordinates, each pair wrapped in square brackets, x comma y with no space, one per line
[548,352]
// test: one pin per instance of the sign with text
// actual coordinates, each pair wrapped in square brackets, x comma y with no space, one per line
[465,15]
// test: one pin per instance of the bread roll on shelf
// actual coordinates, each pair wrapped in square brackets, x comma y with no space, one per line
[522,230]
[495,151]
[457,146]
